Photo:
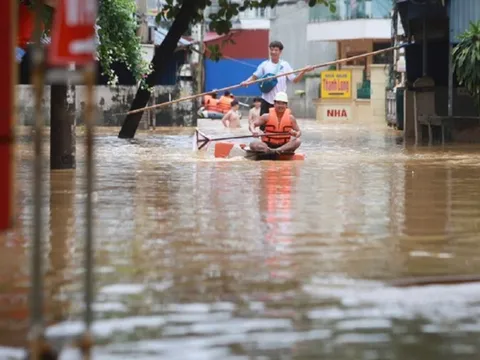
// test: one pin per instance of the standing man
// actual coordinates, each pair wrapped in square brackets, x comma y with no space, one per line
[232,119]
[273,66]
[254,112]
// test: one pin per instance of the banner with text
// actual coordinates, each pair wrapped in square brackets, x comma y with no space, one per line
[336,84]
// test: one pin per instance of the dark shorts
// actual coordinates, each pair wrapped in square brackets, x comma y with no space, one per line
[273,146]
[264,109]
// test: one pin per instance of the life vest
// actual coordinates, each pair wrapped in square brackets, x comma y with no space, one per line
[224,104]
[211,105]
[274,125]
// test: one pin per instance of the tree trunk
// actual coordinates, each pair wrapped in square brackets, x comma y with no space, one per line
[162,56]
[62,128]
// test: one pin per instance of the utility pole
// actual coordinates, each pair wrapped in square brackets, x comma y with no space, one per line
[62,126]
[201,59]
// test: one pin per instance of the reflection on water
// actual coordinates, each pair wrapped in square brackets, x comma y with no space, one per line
[200,258]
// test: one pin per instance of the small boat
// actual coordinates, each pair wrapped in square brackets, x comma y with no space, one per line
[230,150]
[225,149]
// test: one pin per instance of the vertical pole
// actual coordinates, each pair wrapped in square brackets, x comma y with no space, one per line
[450,77]
[36,296]
[450,80]
[62,128]
[8,117]
[201,57]
[88,252]
[424,46]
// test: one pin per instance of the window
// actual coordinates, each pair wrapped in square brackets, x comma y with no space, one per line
[383,58]
[356,62]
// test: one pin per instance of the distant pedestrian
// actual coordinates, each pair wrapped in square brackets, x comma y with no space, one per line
[254,113]
[232,118]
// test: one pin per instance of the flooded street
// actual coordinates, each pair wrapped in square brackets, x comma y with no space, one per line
[201,258]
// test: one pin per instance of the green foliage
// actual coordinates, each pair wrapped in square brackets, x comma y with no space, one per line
[466,61]
[118,39]
[221,21]
[214,52]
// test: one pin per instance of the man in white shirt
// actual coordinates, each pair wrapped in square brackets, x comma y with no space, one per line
[274,66]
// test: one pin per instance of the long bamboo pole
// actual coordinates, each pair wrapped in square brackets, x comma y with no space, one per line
[191,97]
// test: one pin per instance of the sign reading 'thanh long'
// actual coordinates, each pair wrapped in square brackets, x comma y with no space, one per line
[336,84]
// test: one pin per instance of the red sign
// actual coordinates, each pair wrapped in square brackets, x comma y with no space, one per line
[336,113]
[73,32]
[7,114]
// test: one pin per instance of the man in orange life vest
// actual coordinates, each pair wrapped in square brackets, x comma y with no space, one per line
[279,119]
[210,108]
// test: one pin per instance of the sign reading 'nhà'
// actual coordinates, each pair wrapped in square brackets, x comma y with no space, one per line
[73,33]
[336,113]
[336,84]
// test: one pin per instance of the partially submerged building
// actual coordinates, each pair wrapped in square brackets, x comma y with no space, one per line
[432,103]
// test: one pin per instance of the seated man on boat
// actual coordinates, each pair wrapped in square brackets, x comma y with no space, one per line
[279,120]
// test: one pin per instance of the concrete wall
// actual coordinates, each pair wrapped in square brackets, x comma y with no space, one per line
[113,101]
[290,27]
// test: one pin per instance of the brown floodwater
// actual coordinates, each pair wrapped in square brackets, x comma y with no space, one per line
[200,258]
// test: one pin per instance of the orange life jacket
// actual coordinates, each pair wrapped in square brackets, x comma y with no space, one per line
[224,104]
[274,125]
[212,105]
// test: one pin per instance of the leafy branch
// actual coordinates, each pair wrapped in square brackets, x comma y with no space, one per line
[117,31]
[466,61]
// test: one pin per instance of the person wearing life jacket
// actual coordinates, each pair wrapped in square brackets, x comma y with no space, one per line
[211,105]
[279,120]
[210,108]
[224,103]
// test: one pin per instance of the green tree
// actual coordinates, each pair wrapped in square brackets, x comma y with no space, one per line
[185,13]
[466,61]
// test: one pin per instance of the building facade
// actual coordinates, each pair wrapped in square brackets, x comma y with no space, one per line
[436,107]
[357,27]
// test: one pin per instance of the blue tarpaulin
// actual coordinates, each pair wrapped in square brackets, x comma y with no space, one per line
[228,72]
